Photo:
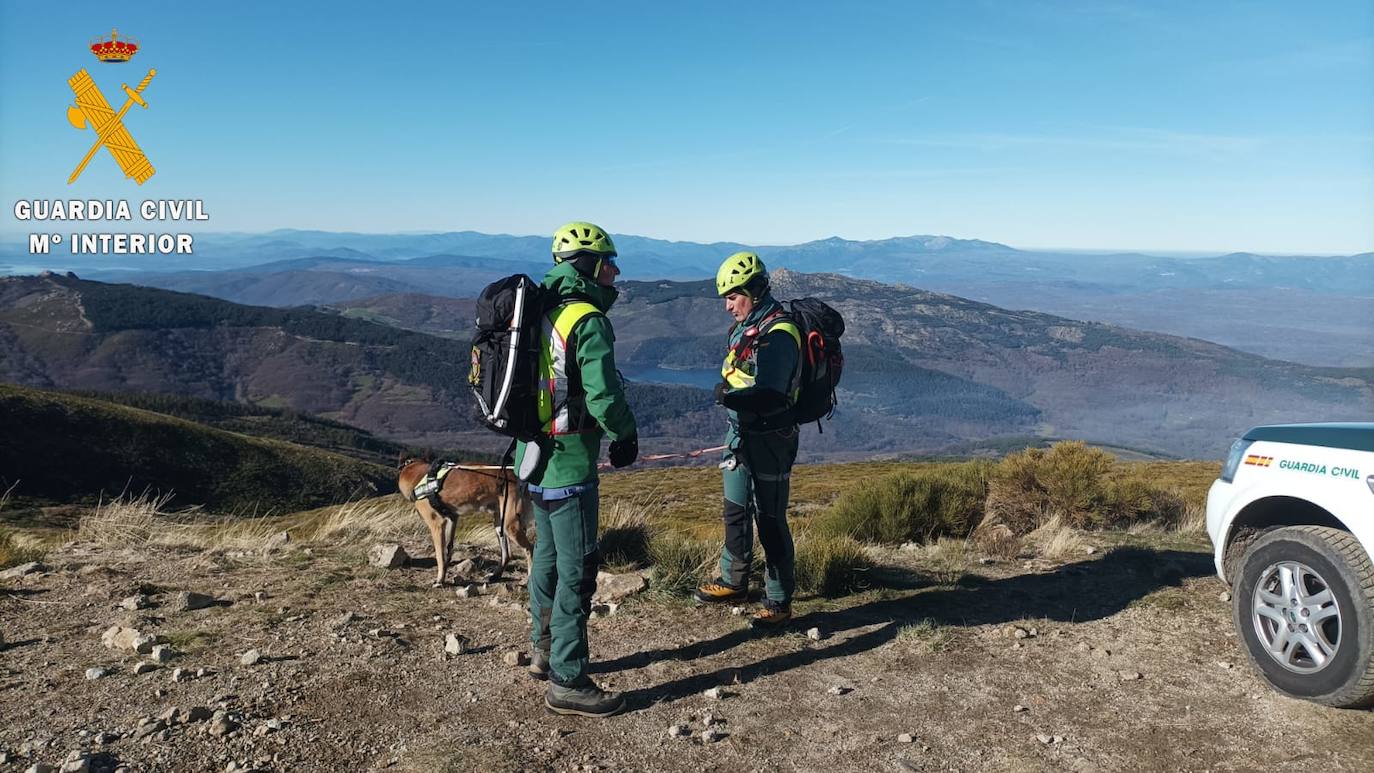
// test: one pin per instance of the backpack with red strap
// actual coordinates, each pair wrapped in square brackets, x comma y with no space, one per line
[822,360]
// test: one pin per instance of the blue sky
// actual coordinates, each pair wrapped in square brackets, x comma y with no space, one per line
[1162,126]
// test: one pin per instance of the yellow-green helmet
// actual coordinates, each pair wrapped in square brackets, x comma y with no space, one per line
[576,238]
[742,272]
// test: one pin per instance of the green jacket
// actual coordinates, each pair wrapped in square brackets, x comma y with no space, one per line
[770,370]
[570,459]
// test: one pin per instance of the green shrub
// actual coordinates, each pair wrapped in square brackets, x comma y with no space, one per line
[1068,481]
[679,562]
[1135,500]
[911,506]
[830,565]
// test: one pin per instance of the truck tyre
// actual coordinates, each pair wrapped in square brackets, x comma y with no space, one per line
[1304,606]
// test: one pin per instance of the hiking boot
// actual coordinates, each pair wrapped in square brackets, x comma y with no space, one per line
[587,700]
[717,592]
[772,617]
[539,665]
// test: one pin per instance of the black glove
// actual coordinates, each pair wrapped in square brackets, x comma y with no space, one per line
[624,451]
[721,389]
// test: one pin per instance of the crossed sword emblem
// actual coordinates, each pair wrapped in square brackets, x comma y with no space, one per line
[91,108]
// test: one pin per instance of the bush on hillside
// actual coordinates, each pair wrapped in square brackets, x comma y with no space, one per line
[1071,485]
[1135,499]
[912,506]
[830,565]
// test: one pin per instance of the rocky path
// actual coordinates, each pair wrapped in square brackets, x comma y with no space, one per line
[313,660]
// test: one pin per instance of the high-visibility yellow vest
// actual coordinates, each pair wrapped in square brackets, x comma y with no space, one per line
[561,413]
[740,368]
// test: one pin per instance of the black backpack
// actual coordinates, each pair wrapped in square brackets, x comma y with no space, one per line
[504,375]
[822,360]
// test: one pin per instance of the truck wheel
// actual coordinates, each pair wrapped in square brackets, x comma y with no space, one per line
[1304,606]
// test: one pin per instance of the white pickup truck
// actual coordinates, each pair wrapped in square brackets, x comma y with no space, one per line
[1292,521]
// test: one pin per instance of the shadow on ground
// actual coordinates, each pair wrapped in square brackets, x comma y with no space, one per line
[1078,592]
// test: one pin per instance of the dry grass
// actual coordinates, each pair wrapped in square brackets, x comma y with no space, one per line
[388,517]
[1194,520]
[926,635]
[16,548]
[1057,541]
[679,562]
[627,532]
[144,520]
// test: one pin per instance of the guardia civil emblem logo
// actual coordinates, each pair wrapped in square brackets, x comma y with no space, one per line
[93,111]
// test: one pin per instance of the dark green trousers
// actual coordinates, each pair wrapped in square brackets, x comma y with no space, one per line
[562,581]
[757,475]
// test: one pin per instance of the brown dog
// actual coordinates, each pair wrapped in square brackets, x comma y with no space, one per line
[465,490]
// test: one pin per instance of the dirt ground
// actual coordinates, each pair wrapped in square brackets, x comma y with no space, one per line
[1126,661]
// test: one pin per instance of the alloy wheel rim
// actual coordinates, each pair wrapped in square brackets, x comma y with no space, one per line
[1296,617]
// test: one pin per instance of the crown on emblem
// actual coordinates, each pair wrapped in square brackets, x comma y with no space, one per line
[114,48]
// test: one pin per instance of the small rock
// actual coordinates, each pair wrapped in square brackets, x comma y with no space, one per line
[137,601]
[1090,550]
[221,724]
[1101,653]
[837,690]
[1017,632]
[516,658]
[455,644]
[179,675]
[77,762]
[22,570]
[711,735]
[716,694]
[171,716]
[117,637]
[615,587]
[465,567]
[906,738]
[736,611]
[198,714]
[1018,708]
[1131,676]
[144,667]
[1056,739]
[250,658]
[467,591]
[1224,596]
[387,556]
[1083,647]
[104,737]
[601,609]
[679,731]
[345,619]
[39,767]
[814,634]
[187,601]
[984,561]
[276,542]
[154,726]
[1225,665]
[162,653]
[97,673]
[1045,739]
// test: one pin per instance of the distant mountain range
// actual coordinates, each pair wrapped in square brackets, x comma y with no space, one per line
[925,372]
[1313,309]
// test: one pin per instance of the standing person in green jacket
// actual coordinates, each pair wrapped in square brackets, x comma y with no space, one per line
[760,379]
[581,399]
